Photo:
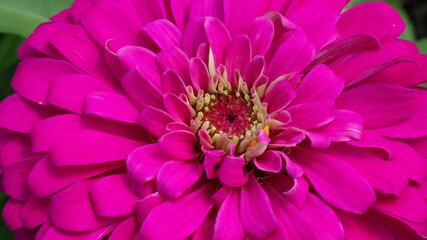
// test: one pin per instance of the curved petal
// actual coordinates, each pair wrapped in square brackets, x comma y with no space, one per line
[121,197]
[231,172]
[228,225]
[181,217]
[176,177]
[144,163]
[256,212]
[177,108]
[269,161]
[179,145]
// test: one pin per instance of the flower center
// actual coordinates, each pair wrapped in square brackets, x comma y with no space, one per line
[229,114]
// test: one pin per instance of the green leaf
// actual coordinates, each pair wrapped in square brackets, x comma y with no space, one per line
[422,45]
[21,17]
[9,44]
[5,232]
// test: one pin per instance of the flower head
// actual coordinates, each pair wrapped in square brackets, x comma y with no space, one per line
[217,120]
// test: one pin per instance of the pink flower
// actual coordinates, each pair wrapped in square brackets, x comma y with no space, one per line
[217,119]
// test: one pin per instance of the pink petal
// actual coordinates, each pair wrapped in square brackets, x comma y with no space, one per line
[177,108]
[45,179]
[20,115]
[293,55]
[311,115]
[176,60]
[363,227]
[228,225]
[211,161]
[69,92]
[12,214]
[199,74]
[149,11]
[34,76]
[181,217]
[218,38]
[256,212]
[320,84]
[54,233]
[323,219]
[179,145]
[90,147]
[269,161]
[296,223]
[144,59]
[336,181]
[346,126]
[385,176]
[172,83]
[126,230]
[279,96]
[76,46]
[379,104]
[180,11]
[176,177]
[111,106]
[231,172]
[164,33]
[239,54]
[47,131]
[121,197]
[410,205]
[414,126]
[261,35]
[155,121]
[15,178]
[134,82]
[144,163]
[254,70]
[35,212]
[320,26]
[288,138]
[194,35]
[206,230]
[110,20]
[376,18]
[15,148]
[343,47]
[239,15]
[71,209]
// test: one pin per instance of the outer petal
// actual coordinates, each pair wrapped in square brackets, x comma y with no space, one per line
[20,115]
[144,163]
[228,225]
[294,55]
[34,76]
[379,104]
[320,84]
[177,108]
[45,179]
[69,92]
[336,181]
[164,33]
[72,210]
[90,147]
[179,145]
[176,177]
[376,18]
[155,121]
[121,197]
[323,219]
[181,217]
[111,106]
[240,14]
[256,212]
[135,83]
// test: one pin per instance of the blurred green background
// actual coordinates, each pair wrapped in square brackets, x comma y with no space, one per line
[18,19]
